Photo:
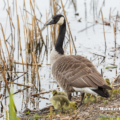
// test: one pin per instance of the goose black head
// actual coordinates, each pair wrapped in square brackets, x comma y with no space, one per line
[57,19]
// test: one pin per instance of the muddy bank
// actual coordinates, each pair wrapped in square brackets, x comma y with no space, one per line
[102,108]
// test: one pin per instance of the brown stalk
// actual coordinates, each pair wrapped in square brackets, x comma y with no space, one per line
[50,116]
[38,77]
[116,78]
[8,3]
[41,93]
[99,55]
[114,34]
[32,42]
[10,19]
[41,34]
[18,28]
[5,41]
[33,16]
[6,47]
[16,72]
[19,76]
[19,39]
[52,36]
[54,26]
[6,82]
[17,92]
[19,84]
[103,29]
[1,50]
[68,25]
[25,36]
[12,51]
[16,6]
[35,31]
[32,64]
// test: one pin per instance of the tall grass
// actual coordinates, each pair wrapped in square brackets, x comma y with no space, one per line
[36,46]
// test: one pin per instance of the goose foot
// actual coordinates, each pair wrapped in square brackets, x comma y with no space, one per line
[62,111]
[82,94]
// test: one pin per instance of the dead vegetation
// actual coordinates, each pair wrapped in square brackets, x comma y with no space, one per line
[102,108]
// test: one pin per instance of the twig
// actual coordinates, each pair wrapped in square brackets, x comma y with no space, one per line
[116,85]
[19,84]
[42,93]
[116,78]
[98,55]
[33,16]
[68,26]
[16,72]
[6,83]
[16,92]
[87,28]
[19,76]
[27,64]
[114,33]
[41,34]
[103,30]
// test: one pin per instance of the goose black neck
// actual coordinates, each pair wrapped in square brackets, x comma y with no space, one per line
[60,39]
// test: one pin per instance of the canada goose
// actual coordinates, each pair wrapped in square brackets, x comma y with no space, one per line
[74,72]
[61,102]
[55,92]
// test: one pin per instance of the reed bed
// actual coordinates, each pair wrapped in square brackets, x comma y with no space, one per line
[36,47]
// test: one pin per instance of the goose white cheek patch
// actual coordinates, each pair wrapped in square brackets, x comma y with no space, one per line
[61,21]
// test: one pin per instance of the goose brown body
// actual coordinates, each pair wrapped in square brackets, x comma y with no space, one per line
[76,71]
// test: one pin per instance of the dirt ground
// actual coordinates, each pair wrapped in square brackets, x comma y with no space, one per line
[103,108]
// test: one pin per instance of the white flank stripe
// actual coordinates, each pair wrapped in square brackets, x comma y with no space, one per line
[85,90]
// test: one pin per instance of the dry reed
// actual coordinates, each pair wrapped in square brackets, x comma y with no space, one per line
[68,26]
[103,30]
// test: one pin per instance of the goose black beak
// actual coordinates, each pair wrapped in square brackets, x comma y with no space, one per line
[51,22]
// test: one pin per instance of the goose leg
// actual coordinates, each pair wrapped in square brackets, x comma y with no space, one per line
[62,111]
[69,96]
[82,94]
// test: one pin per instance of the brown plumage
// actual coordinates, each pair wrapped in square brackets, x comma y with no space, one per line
[76,71]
